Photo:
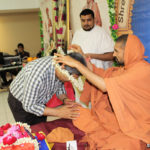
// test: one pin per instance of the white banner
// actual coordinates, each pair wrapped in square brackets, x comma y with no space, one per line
[123,15]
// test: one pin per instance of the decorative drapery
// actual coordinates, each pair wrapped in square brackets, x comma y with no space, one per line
[53,18]
[59,21]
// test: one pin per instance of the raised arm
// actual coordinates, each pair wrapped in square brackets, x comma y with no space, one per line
[105,57]
[91,77]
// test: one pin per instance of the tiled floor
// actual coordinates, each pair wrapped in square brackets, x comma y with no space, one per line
[5,113]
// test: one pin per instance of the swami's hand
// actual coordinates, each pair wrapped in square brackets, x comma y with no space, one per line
[68,112]
[66,60]
[76,48]
[68,101]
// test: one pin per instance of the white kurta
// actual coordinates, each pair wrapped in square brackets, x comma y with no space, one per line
[96,41]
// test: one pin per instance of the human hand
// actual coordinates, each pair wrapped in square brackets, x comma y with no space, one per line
[88,54]
[68,101]
[68,112]
[76,48]
[67,60]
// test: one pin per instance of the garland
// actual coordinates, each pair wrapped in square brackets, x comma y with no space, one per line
[78,83]
[113,26]
[41,33]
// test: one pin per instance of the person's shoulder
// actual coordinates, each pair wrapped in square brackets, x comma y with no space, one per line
[41,63]
[101,31]
[26,53]
[45,58]
[45,63]
[78,31]
[98,28]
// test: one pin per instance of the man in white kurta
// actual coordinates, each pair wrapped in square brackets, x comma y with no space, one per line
[94,41]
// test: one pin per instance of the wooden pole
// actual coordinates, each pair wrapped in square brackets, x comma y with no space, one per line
[67,11]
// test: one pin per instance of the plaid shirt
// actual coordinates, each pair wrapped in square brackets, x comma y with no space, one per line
[35,85]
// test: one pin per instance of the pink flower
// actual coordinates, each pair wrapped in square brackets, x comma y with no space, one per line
[63,17]
[9,140]
[40,136]
[59,31]
[59,40]
[6,126]
[56,18]
[25,134]
[1,132]
[13,129]
[115,27]
[55,8]
[16,134]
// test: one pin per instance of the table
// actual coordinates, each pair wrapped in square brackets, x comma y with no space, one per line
[9,68]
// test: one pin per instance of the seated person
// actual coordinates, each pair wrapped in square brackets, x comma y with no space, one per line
[20,51]
[120,115]
[7,60]
[3,73]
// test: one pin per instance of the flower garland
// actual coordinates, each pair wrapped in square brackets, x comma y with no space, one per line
[59,21]
[12,134]
[22,141]
[78,83]
[114,26]
[41,33]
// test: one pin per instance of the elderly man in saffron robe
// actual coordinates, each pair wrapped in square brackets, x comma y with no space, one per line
[120,97]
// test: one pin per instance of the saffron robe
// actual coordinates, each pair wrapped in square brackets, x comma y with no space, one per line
[120,118]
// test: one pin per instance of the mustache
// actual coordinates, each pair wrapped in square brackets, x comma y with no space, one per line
[86,25]
[116,61]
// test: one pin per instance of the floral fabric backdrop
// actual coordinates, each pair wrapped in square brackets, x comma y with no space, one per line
[53,15]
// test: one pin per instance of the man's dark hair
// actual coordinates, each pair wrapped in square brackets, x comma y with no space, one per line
[78,57]
[87,12]
[20,45]
[53,52]
[123,39]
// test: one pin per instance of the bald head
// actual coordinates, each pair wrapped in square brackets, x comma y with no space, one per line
[122,40]
[119,49]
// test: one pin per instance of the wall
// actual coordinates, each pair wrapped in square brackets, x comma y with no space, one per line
[141,24]
[20,27]
[19,4]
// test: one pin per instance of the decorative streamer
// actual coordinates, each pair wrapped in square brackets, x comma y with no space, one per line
[114,26]
[41,33]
